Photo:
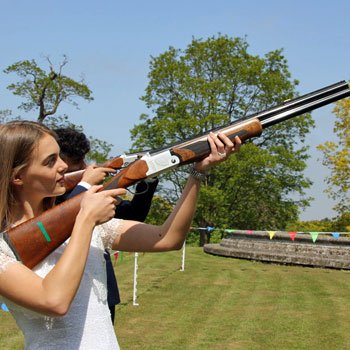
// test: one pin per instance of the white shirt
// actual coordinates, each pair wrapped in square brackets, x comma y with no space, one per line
[87,325]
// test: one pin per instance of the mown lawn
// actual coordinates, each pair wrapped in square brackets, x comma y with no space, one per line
[224,303]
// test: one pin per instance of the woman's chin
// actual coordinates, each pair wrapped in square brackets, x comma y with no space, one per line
[59,191]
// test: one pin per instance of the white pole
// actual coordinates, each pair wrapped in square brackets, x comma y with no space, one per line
[135,281]
[183,257]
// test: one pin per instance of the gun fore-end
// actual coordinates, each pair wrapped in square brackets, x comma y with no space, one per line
[134,172]
[199,148]
[115,163]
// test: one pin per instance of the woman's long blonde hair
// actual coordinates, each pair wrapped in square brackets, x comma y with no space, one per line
[17,142]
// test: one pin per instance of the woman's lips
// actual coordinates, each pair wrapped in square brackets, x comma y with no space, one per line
[61,181]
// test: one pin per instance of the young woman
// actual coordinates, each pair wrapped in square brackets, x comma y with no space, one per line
[61,303]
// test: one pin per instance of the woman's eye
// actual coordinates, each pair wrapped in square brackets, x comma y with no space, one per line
[51,161]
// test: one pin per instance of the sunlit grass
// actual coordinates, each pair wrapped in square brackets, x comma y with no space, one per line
[224,303]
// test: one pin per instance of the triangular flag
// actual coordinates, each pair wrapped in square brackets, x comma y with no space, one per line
[314,236]
[4,308]
[292,235]
[335,235]
[229,230]
[209,229]
[250,231]
[271,233]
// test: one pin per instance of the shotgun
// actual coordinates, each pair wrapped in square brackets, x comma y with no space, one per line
[36,238]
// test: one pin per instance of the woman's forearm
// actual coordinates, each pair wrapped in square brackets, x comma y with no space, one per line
[139,237]
[178,223]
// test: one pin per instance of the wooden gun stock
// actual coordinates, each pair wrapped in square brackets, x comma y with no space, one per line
[36,238]
[33,240]
[72,179]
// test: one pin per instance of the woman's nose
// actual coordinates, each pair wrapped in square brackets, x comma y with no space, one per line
[62,167]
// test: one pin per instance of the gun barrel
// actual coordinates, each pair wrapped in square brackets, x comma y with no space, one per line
[315,96]
[277,114]
[305,107]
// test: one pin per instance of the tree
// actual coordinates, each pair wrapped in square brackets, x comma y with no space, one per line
[209,84]
[324,225]
[45,90]
[336,156]
[159,211]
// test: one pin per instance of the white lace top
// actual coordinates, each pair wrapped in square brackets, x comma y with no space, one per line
[87,325]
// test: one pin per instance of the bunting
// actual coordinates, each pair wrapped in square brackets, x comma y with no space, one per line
[314,234]
[116,254]
[4,307]
[292,235]
[271,233]
[335,235]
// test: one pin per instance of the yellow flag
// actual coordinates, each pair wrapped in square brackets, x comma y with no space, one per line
[271,233]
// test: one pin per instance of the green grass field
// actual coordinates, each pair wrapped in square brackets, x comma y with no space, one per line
[224,303]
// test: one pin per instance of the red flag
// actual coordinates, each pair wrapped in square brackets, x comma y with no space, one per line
[292,235]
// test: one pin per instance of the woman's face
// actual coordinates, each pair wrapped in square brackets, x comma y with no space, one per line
[43,177]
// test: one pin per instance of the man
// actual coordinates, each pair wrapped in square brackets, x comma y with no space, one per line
[74,146]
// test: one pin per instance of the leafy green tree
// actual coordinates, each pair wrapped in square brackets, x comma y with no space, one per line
[159,211]
[44,91]
[342,223]
[325,225]
[99,151]
[336,156]
[209,84]
[337,224]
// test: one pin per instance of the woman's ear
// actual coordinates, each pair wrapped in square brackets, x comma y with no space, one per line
[16,179]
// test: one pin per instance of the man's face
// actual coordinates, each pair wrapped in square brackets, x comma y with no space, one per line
[73,164]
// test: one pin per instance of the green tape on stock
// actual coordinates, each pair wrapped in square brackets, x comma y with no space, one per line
[43,231]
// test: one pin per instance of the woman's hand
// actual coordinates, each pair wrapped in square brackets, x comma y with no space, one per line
[221,147]
[100,206]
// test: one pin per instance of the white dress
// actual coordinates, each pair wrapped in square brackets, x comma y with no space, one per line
[87,325]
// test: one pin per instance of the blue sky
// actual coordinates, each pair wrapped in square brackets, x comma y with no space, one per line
[110,43]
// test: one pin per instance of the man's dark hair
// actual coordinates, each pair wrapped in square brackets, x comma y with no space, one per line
[73,143]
